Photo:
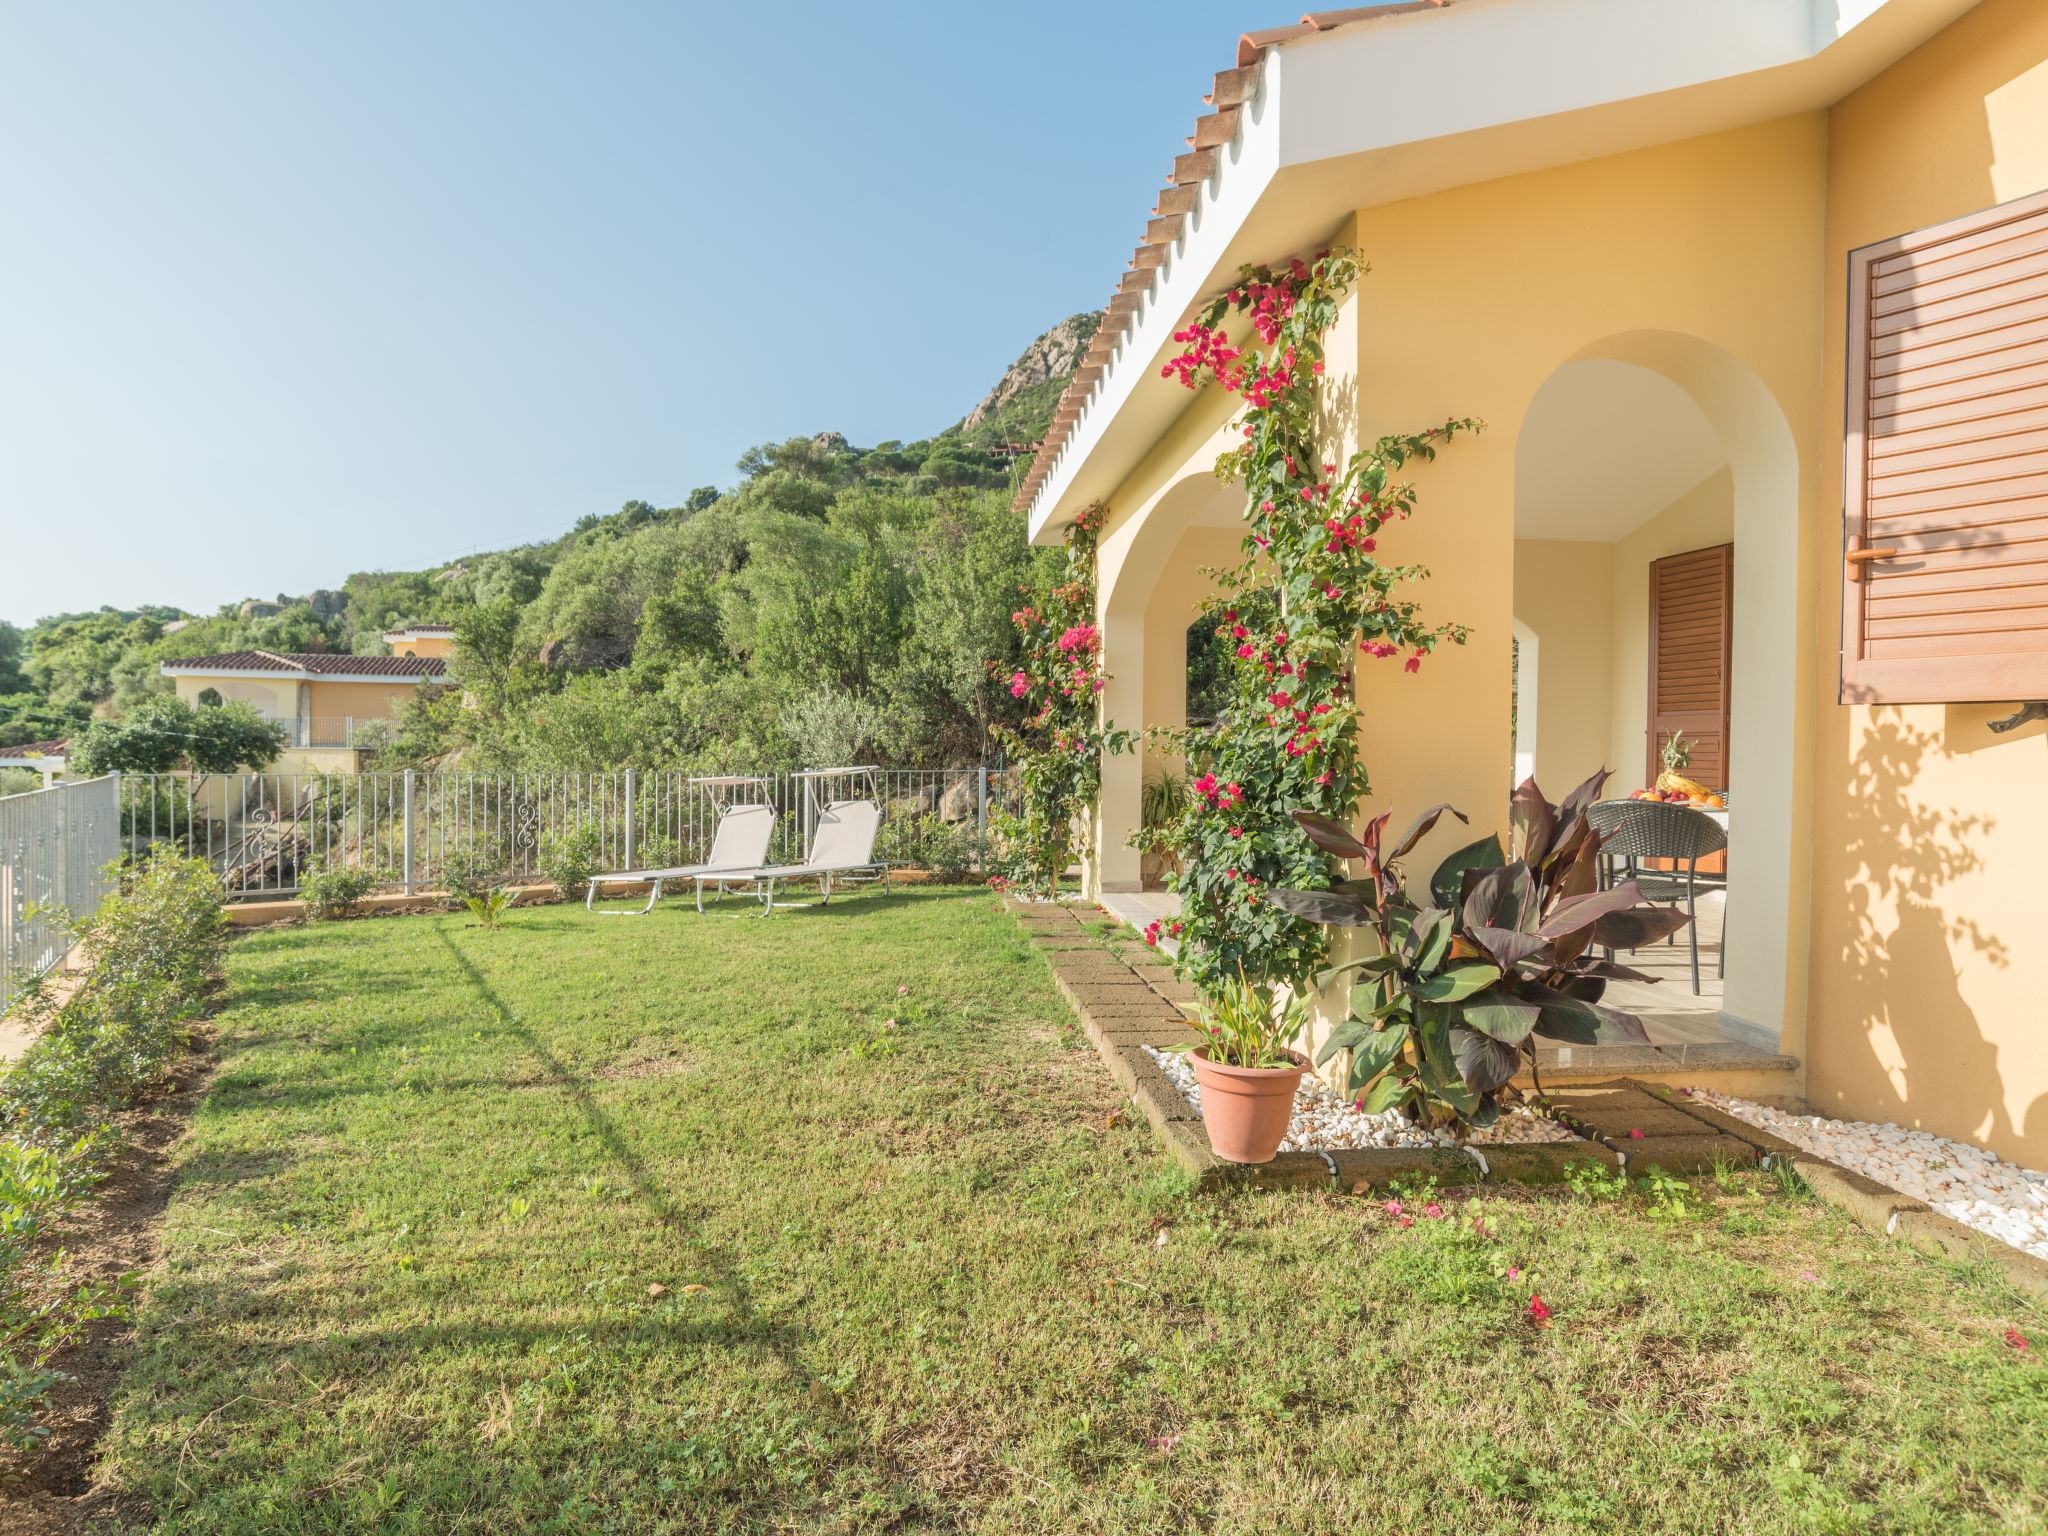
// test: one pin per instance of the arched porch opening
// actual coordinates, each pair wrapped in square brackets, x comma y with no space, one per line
[1638,459]
[1151,579]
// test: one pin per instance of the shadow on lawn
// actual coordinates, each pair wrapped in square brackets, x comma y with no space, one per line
[724,1277]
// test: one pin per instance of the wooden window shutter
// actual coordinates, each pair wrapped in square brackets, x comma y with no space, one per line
[1945,515]
[1692,601]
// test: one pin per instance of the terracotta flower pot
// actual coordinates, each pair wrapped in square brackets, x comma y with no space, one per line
[1246,1108]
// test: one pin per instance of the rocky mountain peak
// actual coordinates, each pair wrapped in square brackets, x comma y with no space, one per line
[1053,356]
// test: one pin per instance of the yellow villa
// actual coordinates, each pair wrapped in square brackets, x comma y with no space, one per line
[1753,300]
[323,700]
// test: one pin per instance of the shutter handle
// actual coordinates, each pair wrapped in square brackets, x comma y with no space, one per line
[1857,559]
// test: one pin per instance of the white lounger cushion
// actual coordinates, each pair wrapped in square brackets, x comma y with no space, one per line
[741,842]
[844,839]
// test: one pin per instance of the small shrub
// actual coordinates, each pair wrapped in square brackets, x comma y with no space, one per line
[469,872]
[489,907]
[661,852]
[334,892]
[567,863]
[1595,1182]
[1668,1194]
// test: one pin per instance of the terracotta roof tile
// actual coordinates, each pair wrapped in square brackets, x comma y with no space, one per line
[36,749]
[320,664]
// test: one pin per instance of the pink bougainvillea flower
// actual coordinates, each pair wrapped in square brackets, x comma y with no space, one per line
[903,991]
[2016,1339]
[1635,1135]
[1432,1209]
[1393,1207]
[1538,1312]
[1237,831]
[1163,1442]
[1019,686]
[1514,1272]
[1413,663]
[1809,1277]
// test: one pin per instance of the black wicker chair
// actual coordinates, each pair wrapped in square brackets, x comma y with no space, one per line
[1633,830]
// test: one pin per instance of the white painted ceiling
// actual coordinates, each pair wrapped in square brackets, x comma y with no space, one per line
[1605,446]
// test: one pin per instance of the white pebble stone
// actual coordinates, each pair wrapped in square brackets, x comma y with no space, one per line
[1971,1184]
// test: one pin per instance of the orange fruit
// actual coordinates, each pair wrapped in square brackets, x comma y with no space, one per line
[1716,801]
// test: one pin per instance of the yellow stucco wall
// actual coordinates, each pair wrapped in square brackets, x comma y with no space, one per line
[1929,832]
[424,645]
[1564,592]
[275,700]
[364,701]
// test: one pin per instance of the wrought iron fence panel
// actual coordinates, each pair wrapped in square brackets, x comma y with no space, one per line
[55,846]
[265,832]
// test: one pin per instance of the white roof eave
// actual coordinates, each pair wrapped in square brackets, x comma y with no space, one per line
[1456,97]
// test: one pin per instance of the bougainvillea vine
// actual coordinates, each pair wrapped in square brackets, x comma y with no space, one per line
[1059,748]
[1310,598]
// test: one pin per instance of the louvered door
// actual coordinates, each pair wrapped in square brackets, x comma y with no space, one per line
[1692,598]
[1945,559]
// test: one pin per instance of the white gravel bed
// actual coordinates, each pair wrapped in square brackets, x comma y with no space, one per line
[1999,1199]
[1325,1122]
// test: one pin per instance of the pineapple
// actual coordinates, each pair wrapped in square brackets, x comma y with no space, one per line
[1677,754]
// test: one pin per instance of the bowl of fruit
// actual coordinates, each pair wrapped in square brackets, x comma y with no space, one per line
[1674,788]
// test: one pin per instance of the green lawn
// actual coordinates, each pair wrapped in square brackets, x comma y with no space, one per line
[650,1226]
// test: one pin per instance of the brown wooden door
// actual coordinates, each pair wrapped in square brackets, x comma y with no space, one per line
[1945,536]
[1692,600]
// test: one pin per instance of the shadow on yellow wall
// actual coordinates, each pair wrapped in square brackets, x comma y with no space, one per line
[1901,854]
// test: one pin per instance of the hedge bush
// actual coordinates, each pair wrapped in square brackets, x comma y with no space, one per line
[154,953]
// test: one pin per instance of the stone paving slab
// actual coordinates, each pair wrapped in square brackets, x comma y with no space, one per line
[1684,1154]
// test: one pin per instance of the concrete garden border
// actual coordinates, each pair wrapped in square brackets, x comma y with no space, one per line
[1628,1123]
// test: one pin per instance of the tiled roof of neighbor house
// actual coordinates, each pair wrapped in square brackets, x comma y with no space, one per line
[314,664]
[1232,89]
[34,749]
[421,631]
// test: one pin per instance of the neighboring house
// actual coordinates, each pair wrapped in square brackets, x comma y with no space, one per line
[1666,252]
[45,757]
[324,701]
[422,640]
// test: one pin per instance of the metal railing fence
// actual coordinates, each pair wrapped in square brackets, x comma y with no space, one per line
[55,846]
[264,831]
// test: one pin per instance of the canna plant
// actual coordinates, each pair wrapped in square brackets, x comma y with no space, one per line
[1499,952]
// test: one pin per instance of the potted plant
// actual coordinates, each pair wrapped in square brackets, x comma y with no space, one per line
[1247,1068]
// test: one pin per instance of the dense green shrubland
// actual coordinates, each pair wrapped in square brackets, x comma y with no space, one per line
[835,595]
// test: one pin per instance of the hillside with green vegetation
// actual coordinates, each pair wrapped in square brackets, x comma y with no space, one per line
[836,602]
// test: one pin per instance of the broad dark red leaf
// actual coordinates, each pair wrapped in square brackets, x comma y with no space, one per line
[1573,805]
[1534,823]
[1643,925]
[1329,835]
[1483,1062]
[1584,911]
[1422,826]
[1336,908]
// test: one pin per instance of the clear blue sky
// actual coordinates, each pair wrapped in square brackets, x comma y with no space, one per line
[288,291]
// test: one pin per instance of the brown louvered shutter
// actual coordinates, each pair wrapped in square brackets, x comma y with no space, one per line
[1945,507]
[1692,599]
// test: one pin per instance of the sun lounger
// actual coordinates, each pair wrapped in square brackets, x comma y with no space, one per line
[740,843]
[843,844]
